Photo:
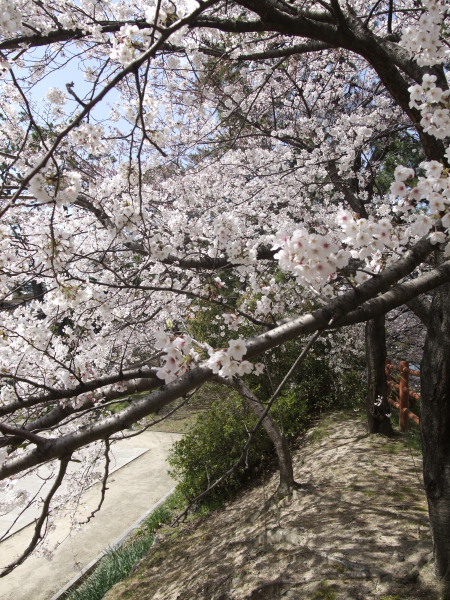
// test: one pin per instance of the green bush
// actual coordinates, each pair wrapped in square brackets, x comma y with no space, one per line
[351,387]
[213,446]
[217,439]
[292,412]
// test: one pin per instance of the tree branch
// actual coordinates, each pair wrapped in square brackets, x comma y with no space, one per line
[104,482]
[37,536]
[400,294]
[149,375]
[334,311]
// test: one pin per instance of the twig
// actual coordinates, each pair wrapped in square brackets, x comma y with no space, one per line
[37,536]
[104,482]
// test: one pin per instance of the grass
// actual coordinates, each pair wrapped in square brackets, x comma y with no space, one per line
[325,591]
[114,567]
[118,563]
[412,436]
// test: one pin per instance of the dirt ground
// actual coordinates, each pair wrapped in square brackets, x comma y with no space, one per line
[358,532]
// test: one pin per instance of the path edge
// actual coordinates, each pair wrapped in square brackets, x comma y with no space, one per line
[115,544]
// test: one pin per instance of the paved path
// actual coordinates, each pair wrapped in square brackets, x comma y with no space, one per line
[132,490]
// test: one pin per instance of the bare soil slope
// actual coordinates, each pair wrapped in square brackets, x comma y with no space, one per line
[360,531]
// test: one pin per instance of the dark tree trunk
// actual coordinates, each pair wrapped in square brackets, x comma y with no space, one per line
[287,481]
[378,409]
[435,428]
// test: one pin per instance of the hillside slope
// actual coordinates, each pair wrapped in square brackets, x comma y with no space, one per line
[360,532]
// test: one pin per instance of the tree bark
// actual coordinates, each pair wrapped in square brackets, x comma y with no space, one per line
[377,406]
[284,457]
[435,429]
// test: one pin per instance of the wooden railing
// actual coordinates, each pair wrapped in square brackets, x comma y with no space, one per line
[402,391]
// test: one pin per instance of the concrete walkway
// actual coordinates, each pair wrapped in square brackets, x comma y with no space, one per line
[132,490]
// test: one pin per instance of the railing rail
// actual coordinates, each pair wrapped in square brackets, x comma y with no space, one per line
[403,391]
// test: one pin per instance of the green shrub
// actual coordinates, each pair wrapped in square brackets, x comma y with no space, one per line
[311,391]
[218,438]
[351,387]
[292,412]
[213,446]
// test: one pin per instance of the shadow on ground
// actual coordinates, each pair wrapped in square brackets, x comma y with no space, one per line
[359,533]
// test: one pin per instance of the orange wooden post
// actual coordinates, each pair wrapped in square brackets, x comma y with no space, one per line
[404,394]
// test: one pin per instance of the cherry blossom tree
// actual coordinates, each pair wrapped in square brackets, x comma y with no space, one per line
[162,158]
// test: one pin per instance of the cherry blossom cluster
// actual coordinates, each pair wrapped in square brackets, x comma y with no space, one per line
[125,214]
[428,202]
[7,254]
[10,18]
[423,39]
[169,10]
[42,188]
[57,250]
[226,230]
[89,137]
[129,43]
[159,248]
[312,258]
[56,96]
[432,193]
[180,355]
[231,320]
[57,99]
[39,188]
[229,362]
[433,103]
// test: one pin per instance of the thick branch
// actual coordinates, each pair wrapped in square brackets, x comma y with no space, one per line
[149,375]
[312,46]
[7,430]
[400,294]
[60,413]
[334,311]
